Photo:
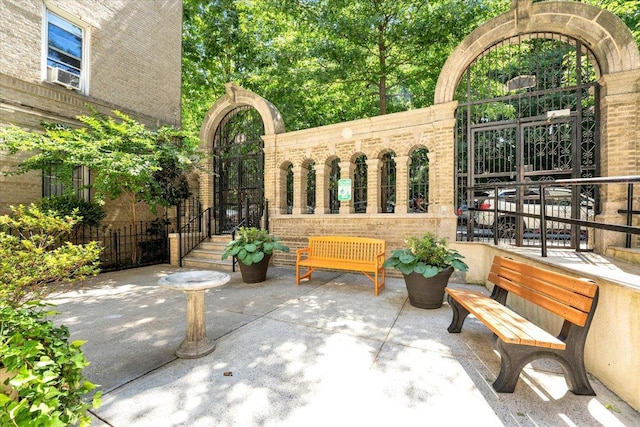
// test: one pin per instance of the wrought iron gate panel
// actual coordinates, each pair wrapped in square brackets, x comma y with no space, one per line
[238,170]
[528,111]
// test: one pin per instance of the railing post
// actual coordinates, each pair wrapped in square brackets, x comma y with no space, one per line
[543,221]
[627,243]
[179,226]
[266,214]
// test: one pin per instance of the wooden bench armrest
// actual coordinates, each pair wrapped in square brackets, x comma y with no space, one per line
[300,252]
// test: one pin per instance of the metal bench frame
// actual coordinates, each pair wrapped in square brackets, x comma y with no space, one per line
[518,340]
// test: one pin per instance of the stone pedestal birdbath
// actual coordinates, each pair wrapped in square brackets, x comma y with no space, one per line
[194,284]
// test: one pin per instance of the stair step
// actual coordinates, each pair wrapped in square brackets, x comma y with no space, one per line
[631,255]
[207,255]
[204,253]
[207,264]
[213,246]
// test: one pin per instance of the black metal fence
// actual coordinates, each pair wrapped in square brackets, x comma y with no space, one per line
[559,213]
[145,243]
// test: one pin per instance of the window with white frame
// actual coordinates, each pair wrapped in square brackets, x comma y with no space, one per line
[64,44]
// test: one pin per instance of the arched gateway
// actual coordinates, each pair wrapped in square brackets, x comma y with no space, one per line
[537,88]
[232,131]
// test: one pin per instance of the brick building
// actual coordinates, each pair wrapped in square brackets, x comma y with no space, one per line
[58,56]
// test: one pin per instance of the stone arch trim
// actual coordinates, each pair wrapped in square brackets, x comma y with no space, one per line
[284,164]
[601,31]
[235,97]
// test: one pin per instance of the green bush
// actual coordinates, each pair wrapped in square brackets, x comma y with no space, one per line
[48,372]
[45,368]
[31,266]
[89,213]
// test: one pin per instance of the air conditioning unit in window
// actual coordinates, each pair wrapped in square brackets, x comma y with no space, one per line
[65,78]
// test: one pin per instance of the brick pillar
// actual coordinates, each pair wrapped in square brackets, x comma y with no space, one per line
[374,167]
[322,188]
[299,190]
[402,183]
[280,205]
[619,148]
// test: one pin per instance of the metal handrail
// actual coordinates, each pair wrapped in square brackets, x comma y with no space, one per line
[193,232]
[628,229]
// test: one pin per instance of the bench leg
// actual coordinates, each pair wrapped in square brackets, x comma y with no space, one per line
[512,361]
[459,315]
[306,275]
[513,358]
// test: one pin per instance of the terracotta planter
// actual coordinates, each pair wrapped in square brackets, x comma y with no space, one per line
[255,273]
[427,292]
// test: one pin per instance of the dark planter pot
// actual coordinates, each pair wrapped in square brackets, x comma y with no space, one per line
[255,273]
[427,293]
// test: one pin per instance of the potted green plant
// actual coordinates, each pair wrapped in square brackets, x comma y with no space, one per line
[426,264]
[253,248]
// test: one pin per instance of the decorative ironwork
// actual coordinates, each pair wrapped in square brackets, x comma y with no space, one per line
[360,185]
[238,169]
[388,183]
[527,112]
[334,176]
[419,181]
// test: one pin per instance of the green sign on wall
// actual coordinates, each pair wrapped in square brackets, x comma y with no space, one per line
[344,190]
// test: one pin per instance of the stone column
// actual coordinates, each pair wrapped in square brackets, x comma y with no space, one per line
[322,188]
[299,190]
[402,183]
[374,167]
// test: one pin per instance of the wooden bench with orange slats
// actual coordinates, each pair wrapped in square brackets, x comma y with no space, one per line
[362,254]
[520,341]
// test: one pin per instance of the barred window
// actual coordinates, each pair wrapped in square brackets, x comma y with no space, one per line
[360,185]
[311,188]
[53,186]
[334,176]
[289,188]
[419,181]
[388,183]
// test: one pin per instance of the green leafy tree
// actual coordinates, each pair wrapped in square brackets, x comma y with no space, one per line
[125,158]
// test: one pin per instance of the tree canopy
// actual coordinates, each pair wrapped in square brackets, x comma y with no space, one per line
[327,61]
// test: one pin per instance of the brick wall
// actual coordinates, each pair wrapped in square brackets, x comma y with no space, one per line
[134,66]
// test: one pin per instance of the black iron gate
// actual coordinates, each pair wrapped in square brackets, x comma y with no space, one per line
[528,109]
[238,170]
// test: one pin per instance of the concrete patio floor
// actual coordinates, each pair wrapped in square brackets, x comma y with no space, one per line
[325,353]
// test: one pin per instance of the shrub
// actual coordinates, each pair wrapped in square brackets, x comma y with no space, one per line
[31,266]
[46,369]
[89,213]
